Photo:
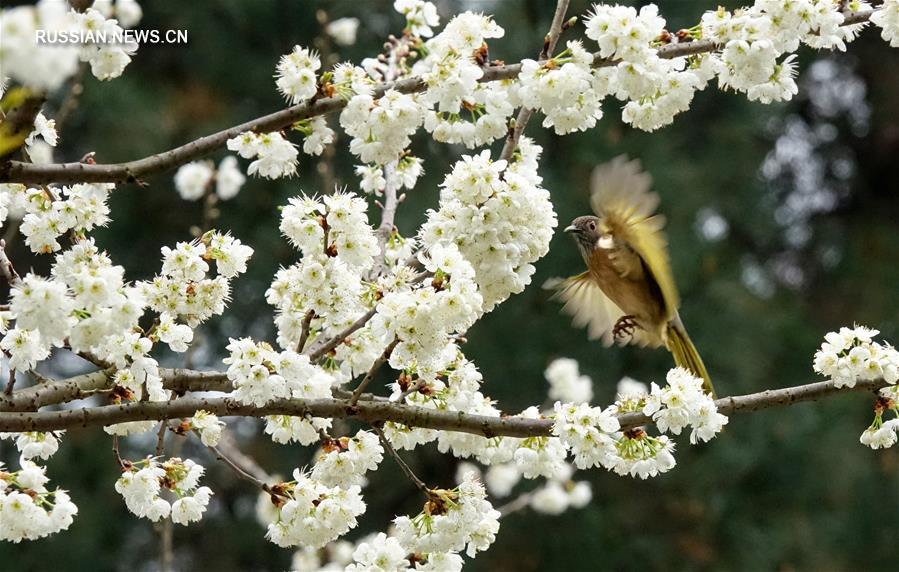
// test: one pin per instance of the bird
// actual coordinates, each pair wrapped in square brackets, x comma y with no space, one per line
[627,294]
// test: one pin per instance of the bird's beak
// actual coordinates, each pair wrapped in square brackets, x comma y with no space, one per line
[571,229]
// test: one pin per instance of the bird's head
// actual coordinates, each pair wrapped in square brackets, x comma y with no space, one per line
[587,230]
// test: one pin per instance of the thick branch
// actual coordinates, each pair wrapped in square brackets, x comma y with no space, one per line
[381,411]
[132,171]
[83,386]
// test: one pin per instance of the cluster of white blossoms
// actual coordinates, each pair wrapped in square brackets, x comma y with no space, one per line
[193,180]
[683,403]
[43,44]
[343,462]
[538,456]
[49,213]
[296,74]
[142,485]
[382,553]
[312,514]
[338,247]
[850,355]
[261,375]
[85,302]
[423,319]
[594,435]
[381,128]
[275,156]
[34,444]
[183,288]
[459,108]
[452,521]
[587,432]
[498,216]
[28,510]
[565,89]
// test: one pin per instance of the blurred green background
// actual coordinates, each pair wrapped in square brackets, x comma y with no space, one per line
[782,225]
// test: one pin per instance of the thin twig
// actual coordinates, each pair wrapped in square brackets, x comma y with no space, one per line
[520,502]
[6,267]
[118,456]
[412,389]
[160,437]
[399,461]
[316,352]
[11,382]
[228,447]
[378,363]
[70,102]
[238,470]
[304,330]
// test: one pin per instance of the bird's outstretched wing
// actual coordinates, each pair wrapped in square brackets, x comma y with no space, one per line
[585,301]
[620,195]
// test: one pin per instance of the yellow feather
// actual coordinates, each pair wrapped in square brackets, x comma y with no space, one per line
[622,199]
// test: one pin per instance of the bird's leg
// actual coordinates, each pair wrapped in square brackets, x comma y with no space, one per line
[624,327]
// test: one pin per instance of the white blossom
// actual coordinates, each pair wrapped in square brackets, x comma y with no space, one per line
[420,15]
[296,74]
[228,178]
[192,180]
[208,425]
[343,30]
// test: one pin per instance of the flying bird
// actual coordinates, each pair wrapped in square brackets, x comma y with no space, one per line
[627,294]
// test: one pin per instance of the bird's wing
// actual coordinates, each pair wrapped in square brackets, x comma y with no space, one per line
[621,196]
[585,301]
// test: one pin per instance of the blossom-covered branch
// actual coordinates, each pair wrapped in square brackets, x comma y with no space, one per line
[137,170]
[371,411]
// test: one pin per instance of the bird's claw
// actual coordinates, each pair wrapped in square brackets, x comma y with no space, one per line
[624,327]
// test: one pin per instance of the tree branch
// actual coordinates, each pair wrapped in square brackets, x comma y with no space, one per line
[524,114]
[133,171]
[388,214]
[399,461]
[83,386]
[376,411]
[316,351]
[380,361]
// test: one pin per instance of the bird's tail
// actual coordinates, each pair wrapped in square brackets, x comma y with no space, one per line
[685,354]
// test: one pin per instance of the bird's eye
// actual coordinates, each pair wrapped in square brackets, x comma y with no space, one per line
[591,225]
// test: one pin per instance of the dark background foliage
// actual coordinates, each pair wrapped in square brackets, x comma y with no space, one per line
[781,221]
